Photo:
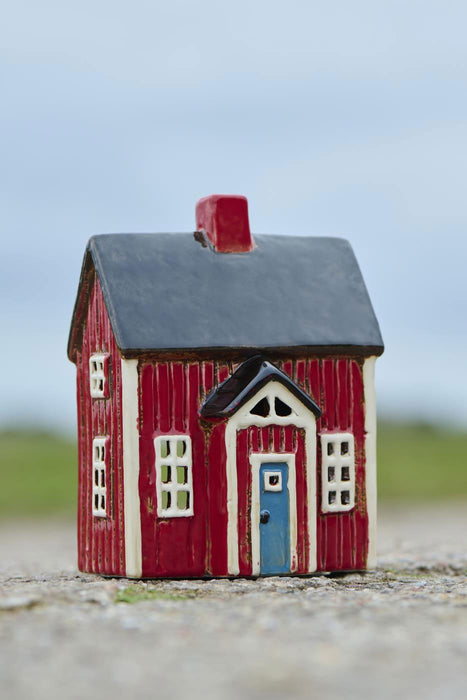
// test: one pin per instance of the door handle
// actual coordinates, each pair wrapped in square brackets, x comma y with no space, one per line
[264,516]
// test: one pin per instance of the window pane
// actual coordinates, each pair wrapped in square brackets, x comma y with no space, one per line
[344,448]
[330,448]
[331,473]
[181,448]
[183,500]
[182,475]
[165,474]
[345,476]
[281,408]
[166,499]
[261,408]
[345,498]
[331,497]
[165,448]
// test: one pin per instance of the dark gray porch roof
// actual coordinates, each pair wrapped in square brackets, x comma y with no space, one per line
[165,291]
[247,379]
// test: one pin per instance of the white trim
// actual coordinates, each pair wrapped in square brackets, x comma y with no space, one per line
[301,417]
[256,460]
[370,456]
[337,462]
[172,461]
[133,563]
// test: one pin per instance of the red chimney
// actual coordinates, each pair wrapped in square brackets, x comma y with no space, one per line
[224,218]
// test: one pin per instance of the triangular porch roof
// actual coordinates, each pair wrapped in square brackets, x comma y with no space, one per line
[247,379]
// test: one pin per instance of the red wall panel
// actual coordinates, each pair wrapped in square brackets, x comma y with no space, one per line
[170,396]
[342,537]
[217,499]
[101,543]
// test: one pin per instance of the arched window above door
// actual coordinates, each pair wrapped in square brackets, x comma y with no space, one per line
[262,408]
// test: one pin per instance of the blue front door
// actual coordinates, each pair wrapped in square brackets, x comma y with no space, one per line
[274,526]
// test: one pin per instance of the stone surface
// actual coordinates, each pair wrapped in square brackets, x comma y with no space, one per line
[400,631]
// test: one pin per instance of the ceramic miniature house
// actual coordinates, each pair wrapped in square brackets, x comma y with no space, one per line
[226,408]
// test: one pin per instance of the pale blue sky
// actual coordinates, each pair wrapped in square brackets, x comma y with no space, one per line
[333,118]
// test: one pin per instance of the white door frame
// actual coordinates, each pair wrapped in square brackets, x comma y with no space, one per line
[301,417]
[256,460]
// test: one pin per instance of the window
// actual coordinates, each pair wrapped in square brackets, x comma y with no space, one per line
[271,407]
[97,375]
[99,477]
[337,472]
[272,481]
[173,476]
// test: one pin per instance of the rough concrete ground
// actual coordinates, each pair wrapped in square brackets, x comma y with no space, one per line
[399,632]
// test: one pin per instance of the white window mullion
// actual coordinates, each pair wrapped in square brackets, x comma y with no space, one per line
[174,476]
[97,378]
[99,477]
[337,472]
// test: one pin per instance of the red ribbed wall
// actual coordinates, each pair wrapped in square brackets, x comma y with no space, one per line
[101,541]
[171,394]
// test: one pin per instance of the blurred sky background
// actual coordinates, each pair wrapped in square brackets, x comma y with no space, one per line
[333,118]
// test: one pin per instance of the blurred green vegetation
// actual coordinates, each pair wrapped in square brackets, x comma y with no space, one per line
[38,474]
[421,462]
[38,471]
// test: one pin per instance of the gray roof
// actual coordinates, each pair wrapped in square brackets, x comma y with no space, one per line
[165,291]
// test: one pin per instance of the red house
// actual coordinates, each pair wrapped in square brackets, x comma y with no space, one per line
[226,408]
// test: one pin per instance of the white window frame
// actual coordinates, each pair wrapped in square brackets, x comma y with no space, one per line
[97,378]
[267,486]
[99,475]
[338,462]
[172,461]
